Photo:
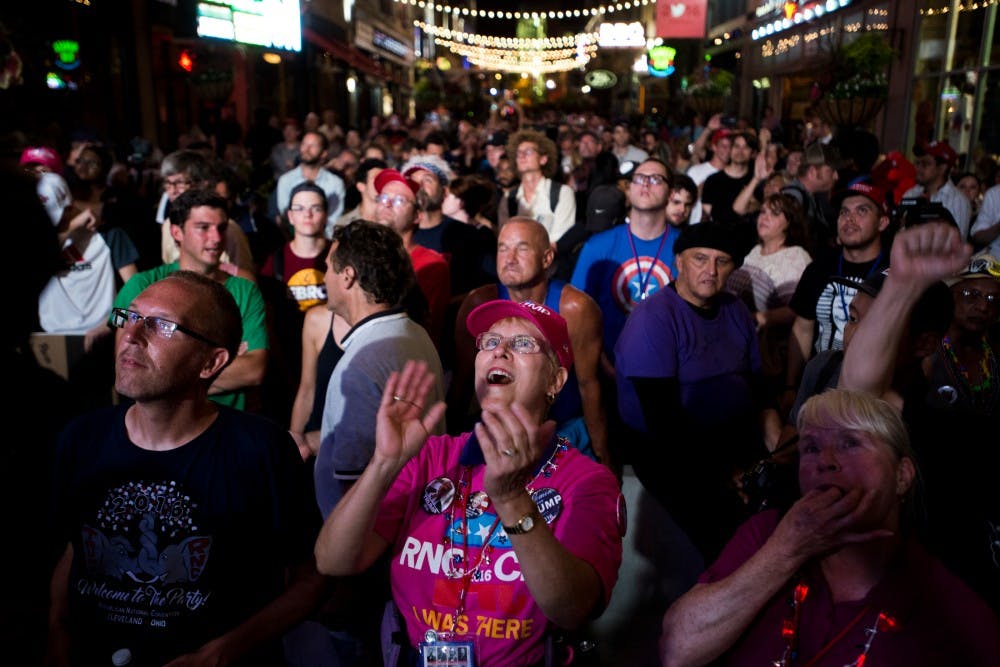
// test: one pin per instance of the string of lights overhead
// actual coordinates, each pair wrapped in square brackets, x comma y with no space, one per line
[518,15]
[521,60]
[508,42]
[526,55]
[966,7]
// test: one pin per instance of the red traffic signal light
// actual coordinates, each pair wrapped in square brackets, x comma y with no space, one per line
[185,61]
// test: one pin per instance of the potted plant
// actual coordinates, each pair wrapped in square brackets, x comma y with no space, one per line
[710,91]
[855,85]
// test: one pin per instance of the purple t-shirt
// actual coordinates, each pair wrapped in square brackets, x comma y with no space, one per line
[580,501]
[712,359]
[939,620]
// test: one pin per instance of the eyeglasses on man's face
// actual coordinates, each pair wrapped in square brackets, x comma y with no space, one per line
[122,317]
[394,201]
[649,179]
[970,294]
[519,344]
[172,183]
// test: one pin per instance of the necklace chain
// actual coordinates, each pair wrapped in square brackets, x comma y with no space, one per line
[986,364]
[456,568]
[790,632]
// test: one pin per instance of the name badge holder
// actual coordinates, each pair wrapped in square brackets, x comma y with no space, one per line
[444,653]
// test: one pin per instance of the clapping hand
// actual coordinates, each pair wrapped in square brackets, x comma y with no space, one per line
[512,445]
[402,425]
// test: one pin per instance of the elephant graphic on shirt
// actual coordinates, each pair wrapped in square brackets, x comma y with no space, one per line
[112,557]
[148,563]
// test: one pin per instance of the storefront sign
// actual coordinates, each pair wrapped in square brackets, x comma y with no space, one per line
[275,25]
[601,78]
[681,19]
[67,53]
[622,35]
[769,7]
[390,44]
[379,40]
[661,61]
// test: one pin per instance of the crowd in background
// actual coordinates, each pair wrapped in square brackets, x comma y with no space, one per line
[785,332]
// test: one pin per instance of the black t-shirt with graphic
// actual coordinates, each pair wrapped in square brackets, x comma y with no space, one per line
[174,548]
[818,297]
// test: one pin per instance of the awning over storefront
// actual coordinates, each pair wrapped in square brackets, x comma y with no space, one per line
[347,53]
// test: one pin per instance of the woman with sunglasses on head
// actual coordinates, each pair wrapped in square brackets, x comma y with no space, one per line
[498,536]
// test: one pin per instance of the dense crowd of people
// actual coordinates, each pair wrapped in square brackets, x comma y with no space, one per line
[368,397]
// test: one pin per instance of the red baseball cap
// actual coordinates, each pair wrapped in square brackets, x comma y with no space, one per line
[867,190]
[387,176]
[44,156]
[551,324]
[939,150]
[723,133]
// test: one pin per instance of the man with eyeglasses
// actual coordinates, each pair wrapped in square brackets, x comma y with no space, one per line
[291,281]
[469,251]
[951,408]
[397,209]
[312,156]
[822,301]
[539,195]
[198,223]
[626,264]
[159,502]
[300,263]
[185,170]
[965,360]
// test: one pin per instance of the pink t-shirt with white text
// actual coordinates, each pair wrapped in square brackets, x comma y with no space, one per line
[581,502]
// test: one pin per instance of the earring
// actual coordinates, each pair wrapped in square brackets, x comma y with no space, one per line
[550,397]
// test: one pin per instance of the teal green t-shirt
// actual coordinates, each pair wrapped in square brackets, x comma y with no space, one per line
[248,298]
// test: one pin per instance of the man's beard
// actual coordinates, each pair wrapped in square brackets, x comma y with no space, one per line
[426,203]
[313,162]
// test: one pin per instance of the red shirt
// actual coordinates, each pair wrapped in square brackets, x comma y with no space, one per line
[940,621]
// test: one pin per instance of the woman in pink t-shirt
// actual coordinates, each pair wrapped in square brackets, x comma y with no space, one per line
[499,536]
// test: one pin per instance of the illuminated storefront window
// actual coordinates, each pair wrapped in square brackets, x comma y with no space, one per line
[956,89]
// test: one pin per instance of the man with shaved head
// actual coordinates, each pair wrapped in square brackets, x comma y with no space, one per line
[524,260]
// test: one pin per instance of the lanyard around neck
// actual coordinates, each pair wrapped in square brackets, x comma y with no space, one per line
[644,279]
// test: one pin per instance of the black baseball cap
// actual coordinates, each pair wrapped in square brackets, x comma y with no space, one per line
[498,138]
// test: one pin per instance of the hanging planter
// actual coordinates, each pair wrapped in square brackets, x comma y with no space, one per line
[711,92]
[855,86]
[854,112]
[708,106]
